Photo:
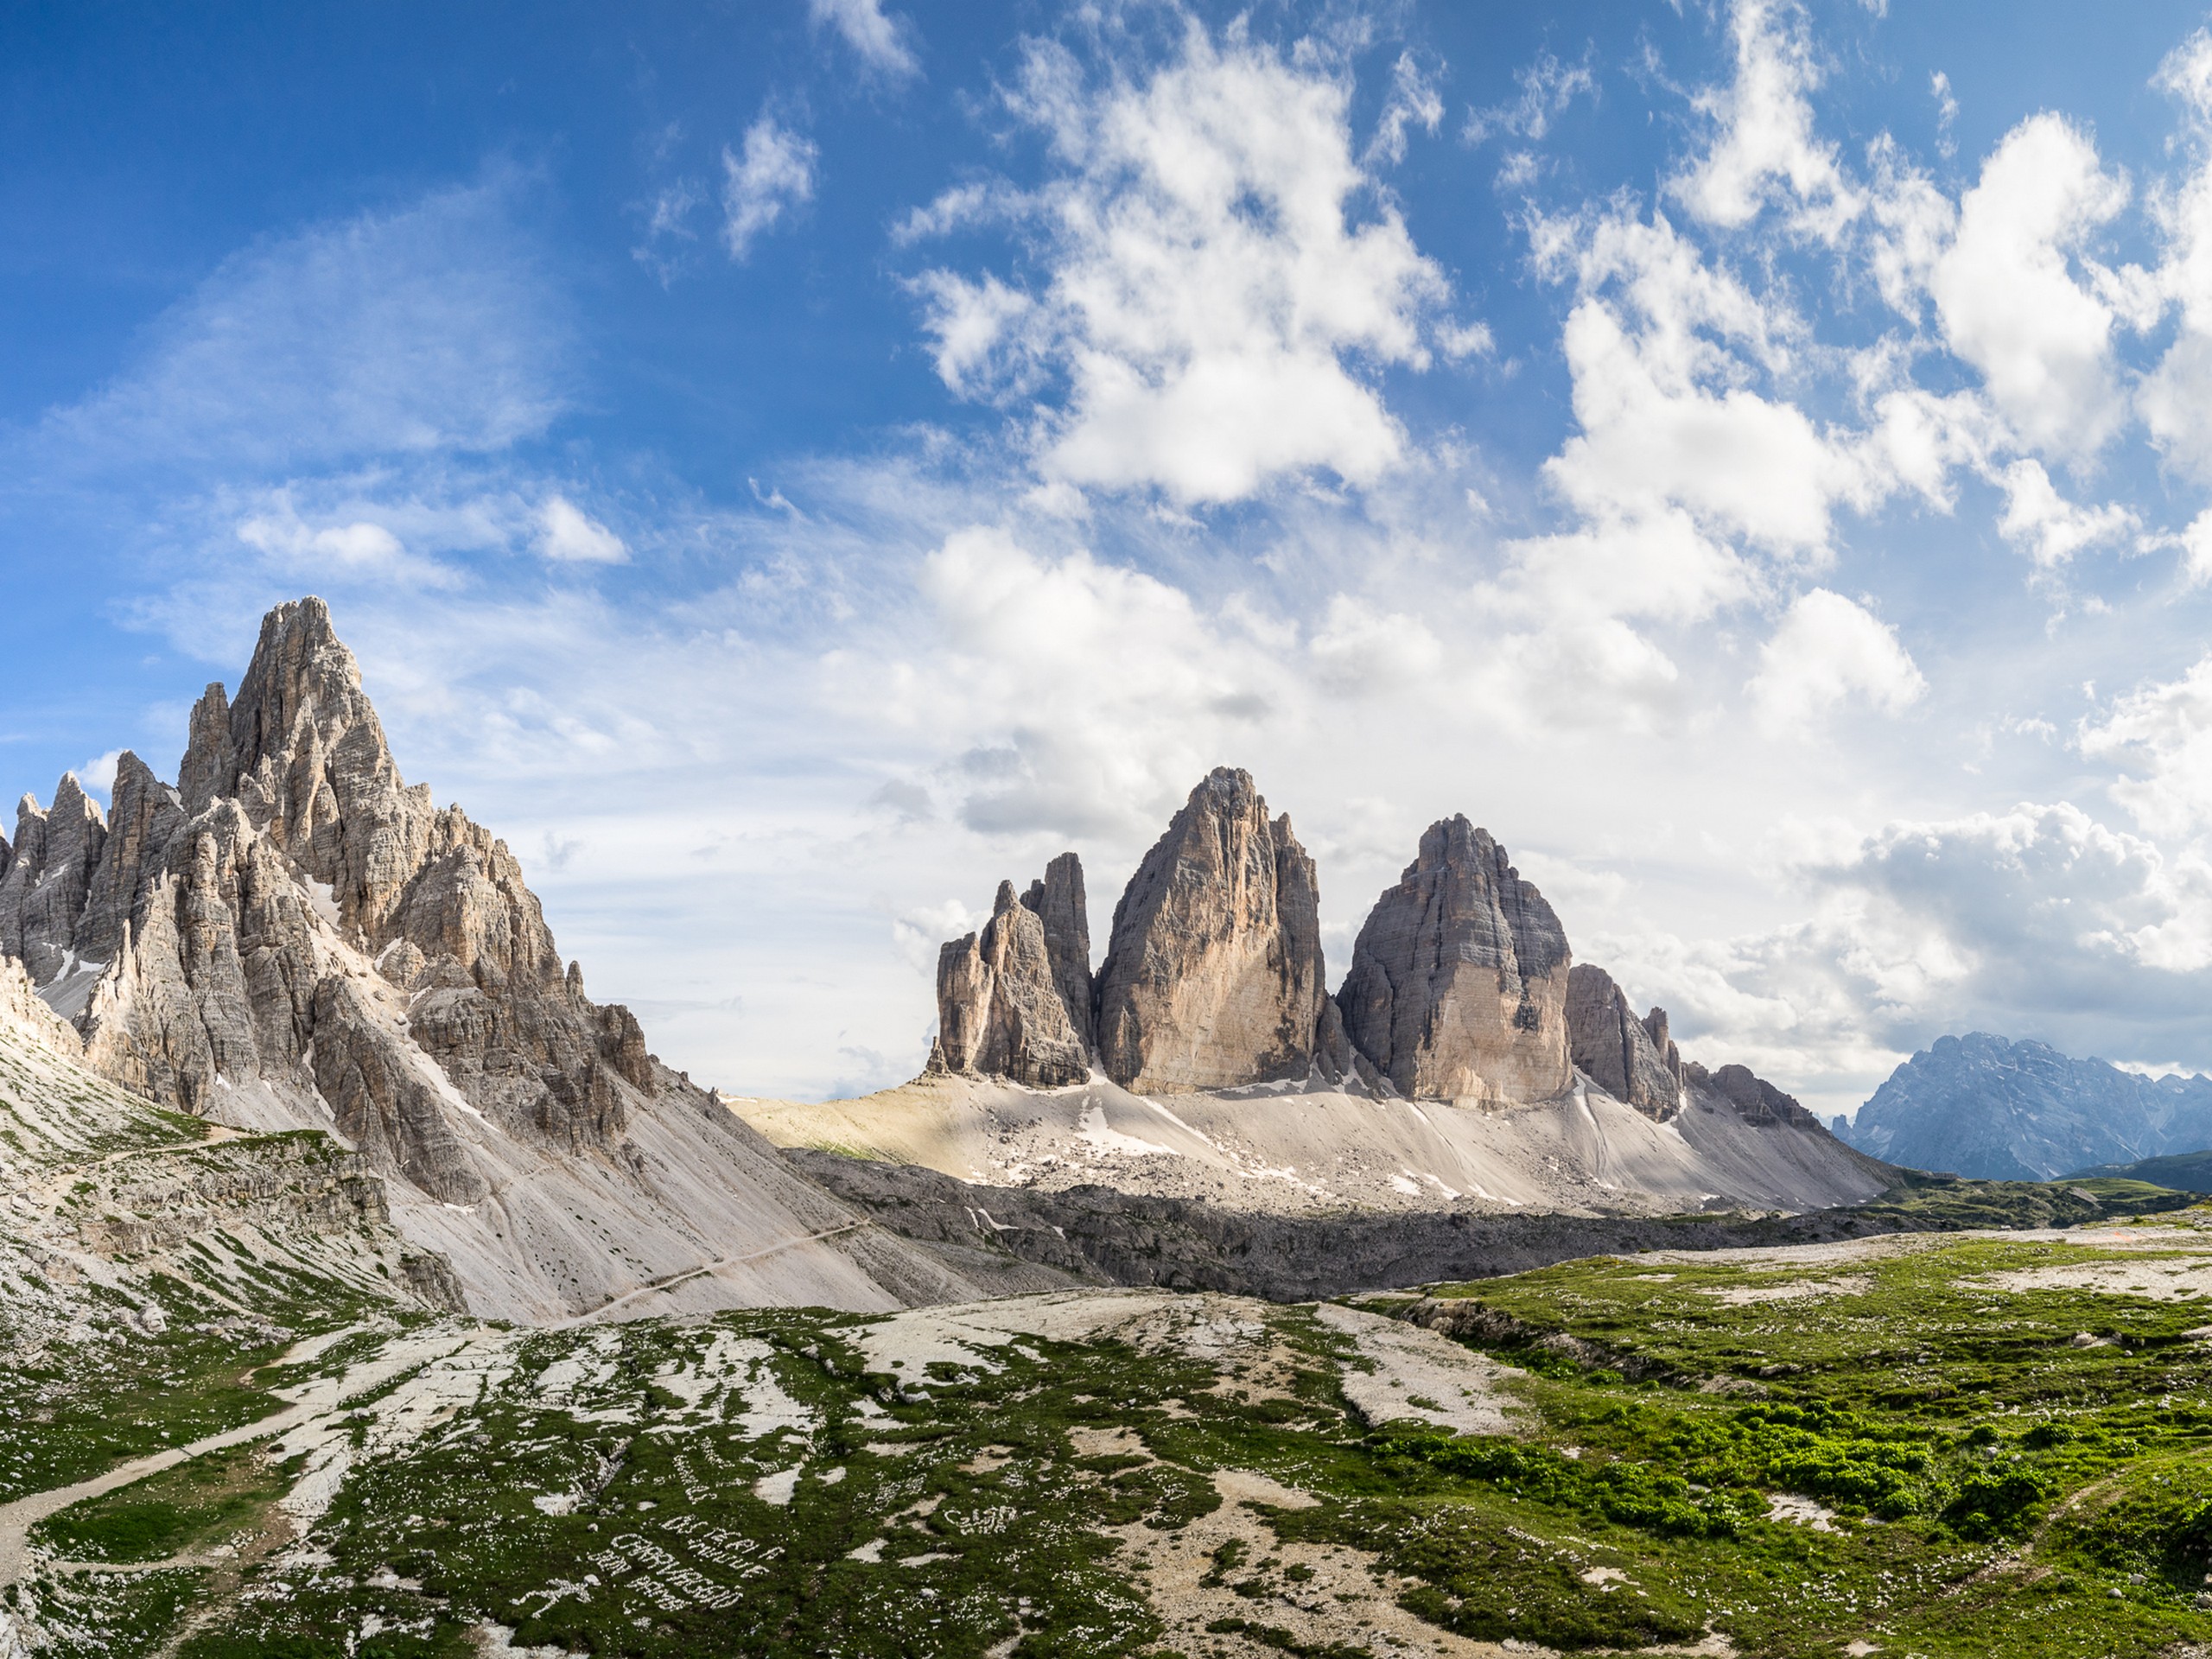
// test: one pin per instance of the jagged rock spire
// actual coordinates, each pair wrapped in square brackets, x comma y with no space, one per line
[1001,1008]
[42,894]
[1457,988]
[1214,976]
[1631,1059]
[1058,899]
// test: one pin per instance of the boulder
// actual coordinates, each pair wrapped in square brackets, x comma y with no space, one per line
[1213,977]
[1457,988]
[1631,1059]
[1000,1007]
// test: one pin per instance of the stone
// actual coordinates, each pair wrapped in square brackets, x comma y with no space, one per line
[1753,1098]
[1214,976]
[1458,981]
[1058,899]
[1631,1059]
[1000,1007]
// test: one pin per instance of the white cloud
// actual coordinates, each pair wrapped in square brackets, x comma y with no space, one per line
[775,173]
[568,534]
[1207,297]
[881,41]
[1413,103]
[1829,648]
[410,331]
[1549,89]
[2175,396]
[357,551]
[2164,732]
[97,775]
[2047,527]
[1765,137]
[1947,111]
[2009,302]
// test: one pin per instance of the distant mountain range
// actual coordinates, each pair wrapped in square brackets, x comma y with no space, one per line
[1989,1107]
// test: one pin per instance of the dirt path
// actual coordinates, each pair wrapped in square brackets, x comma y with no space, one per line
[670,1280]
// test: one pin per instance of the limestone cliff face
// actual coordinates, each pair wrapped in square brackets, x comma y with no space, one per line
[1457,988]
[1001,1011]
[1213,977]
[1631,1059]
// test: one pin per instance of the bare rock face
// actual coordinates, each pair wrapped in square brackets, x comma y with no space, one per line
[43,895]
[1000,1006]
[1213,977]
[1058,899]
[1754,1099]
[1457,988]
[1631,1059]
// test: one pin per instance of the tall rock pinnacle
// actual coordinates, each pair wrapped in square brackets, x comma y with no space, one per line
[1457,988]
[1631,1059]
[1000,1011]
[1213,977]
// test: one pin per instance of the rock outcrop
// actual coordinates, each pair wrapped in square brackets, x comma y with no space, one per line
[1213,977]
[1001,1011]
[1459,981]
[43,895]
[1631,1059]
[1756,1100]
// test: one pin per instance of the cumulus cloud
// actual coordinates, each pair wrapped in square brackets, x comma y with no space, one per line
[2008,298]
[2175,398]
[1765,142]
[1207,295]
[2163,732]
[774,173]
[568,534]
[2047,527]
[1828,650]
[360,550]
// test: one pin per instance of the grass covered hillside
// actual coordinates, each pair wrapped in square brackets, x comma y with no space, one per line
[1964,1444]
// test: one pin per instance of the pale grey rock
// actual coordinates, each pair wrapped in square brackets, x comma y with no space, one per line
[25,1014]
[1058,899]
[1631,1059]
[1458,981]
[1751,1097]
[43,895]
[1000,1007]
[1214,976]
[144,816]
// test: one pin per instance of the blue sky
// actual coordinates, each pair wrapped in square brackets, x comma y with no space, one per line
[786,465]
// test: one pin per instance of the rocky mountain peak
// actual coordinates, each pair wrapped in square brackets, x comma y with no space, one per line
[57,850]
[303,751]
[1457,987]
[1058,899]
[1214,976]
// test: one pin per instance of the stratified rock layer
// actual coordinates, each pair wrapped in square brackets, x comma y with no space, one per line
[1457,988]
[1631,1059]
[1000,1007]
[1213,977]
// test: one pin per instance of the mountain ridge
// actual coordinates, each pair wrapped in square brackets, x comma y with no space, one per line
[2018,1110]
